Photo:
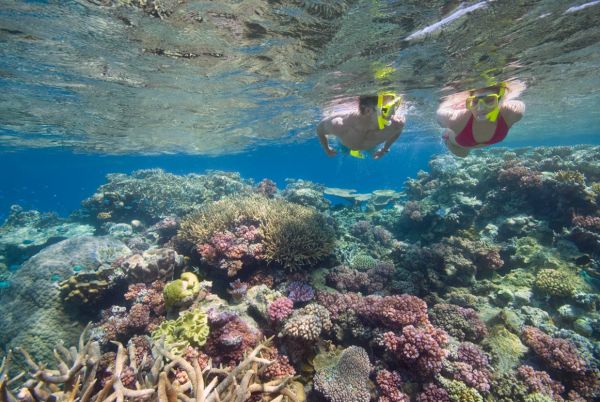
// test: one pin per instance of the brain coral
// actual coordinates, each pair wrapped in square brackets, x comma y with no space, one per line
[346,381]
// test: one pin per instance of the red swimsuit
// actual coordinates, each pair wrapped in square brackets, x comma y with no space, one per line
[466,139]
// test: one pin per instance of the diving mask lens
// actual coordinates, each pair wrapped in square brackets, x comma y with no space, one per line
[489,101]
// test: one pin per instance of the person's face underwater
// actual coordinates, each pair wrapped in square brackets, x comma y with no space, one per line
[481,103]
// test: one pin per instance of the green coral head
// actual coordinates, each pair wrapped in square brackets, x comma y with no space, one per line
[192,282]
[190,329]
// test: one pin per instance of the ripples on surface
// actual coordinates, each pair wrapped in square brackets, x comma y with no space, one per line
[212,77]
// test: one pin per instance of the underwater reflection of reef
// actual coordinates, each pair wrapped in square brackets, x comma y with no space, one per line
[478,282]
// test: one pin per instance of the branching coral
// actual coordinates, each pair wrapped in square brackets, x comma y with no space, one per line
[281,232]
[421,349]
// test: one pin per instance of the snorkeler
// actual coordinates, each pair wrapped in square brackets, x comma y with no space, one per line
[481,118]
[378,120]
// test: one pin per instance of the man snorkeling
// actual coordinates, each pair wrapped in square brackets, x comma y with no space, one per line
[482,117]
[378,120]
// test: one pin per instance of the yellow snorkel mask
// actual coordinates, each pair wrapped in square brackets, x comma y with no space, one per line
[490,100]
[386,110]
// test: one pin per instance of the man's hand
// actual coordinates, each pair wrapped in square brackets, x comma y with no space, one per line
[379,154]
[330,151]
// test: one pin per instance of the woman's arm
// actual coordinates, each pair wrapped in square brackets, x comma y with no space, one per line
[448,116]
[512,111]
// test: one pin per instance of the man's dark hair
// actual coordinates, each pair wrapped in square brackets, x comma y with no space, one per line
[365,102]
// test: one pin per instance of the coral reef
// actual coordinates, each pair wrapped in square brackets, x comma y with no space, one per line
[479,282]
[235,232]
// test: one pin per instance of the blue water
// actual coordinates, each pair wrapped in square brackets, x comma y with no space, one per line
[57,180]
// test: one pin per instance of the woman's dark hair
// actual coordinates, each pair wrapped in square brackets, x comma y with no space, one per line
[365,102]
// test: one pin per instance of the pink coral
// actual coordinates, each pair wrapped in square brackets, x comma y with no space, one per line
[229,338]
[558,353]
[393,312]
[433,393]
[540,381]
[280,367]
[280,309]
[229,250]
[420,348]
[388,383]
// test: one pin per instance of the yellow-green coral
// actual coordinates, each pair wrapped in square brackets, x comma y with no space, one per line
[537,397]
[183,289]
[292,235]
[190,329]
[570,177]
[458,391]
[553,282]
[363,262]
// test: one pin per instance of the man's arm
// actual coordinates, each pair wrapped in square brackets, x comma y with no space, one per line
[386,146]
[322,129]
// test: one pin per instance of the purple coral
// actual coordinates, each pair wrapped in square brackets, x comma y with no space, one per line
[280,309]
[471,366]
[230,250]
[346,279]
[238,290]
[462,323]
[433,393]
[267,188]
[230,338]
[393,312]
[300,292]
[421,349]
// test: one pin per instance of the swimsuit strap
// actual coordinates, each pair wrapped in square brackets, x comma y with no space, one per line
[466,138]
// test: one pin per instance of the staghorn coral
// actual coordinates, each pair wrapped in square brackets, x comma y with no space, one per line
[347,379]
[287,233]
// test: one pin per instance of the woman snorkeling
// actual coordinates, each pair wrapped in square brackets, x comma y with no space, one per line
[480,117]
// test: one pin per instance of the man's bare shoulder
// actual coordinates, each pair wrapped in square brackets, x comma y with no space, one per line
[333,124]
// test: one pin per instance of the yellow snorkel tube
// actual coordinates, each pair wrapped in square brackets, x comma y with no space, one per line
[493,115]
[385,111]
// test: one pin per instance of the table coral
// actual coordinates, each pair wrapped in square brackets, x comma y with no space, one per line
[347,381]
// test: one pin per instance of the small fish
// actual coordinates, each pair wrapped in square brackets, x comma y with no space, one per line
[4,284]
[589,279]
[583,260]
[55,278]
[77,268]
[27,241]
